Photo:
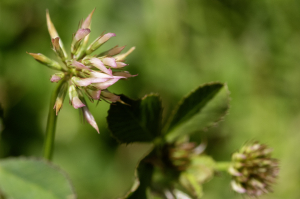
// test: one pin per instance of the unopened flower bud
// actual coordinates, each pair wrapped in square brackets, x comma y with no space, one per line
[77,40]
[89,118]
[74,98]
[124,55]
[125,74]
[113,51]
[105,94]
[109,61]
[98,64]
[106,84]
[53,33]
[57,48]
[60,97]
[99,42]
[121,64]
[46,61]
[57,76]
[253,170]
[87,81]
[87,21]
[94,94]
[79,65]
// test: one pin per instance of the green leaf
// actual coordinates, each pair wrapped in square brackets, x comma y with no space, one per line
[143,177]
[201,109]
[22,178]
[137,120]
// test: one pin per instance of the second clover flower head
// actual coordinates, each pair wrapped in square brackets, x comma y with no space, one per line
[253,170]
[83,73]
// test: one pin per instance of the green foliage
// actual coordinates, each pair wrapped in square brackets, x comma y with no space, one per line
[140,121]
[143,179]
[200,109]
[22,178]
[137,120]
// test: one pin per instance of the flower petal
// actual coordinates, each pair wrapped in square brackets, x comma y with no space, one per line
[105,94]
[81,33]
[77,103]
[79,65]
[114,51]
[121,64]
[98,64]
[87,81]
[125,74]
[60,97]
[105,85]
[51,28]
[87,21]
[94,94]
[57,48]
[46,61]
[124,55]
[109,61]
[53,33]
[89,118]
[101,75]
[99,42]
[56,77]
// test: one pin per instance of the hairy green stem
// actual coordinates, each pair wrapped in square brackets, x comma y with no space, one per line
[51,125]
[222,166]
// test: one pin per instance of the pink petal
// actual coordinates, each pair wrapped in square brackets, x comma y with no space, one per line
[55,43]
[87,81]
[94,94]
[110,96]
[81,33]
[109,61]
[79,65]
[55,78]
[124,55]
[115,50]
[121,64]
[104,38]
[89,118]
[51,28]
[87,21]
[58,105]
[125,74]
[77,103]
[98,64]
[105,85]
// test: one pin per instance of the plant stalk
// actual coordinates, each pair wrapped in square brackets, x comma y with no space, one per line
[222,166]
[51,124]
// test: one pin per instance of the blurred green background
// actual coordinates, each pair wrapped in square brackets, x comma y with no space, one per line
[252,45]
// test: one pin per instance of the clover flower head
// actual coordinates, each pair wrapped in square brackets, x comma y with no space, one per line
[83,73]
[253,170]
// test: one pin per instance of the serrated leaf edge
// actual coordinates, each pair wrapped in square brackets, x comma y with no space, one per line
[165,128]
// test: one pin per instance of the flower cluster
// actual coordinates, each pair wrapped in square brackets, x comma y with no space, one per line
[83,73]
[253,170]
